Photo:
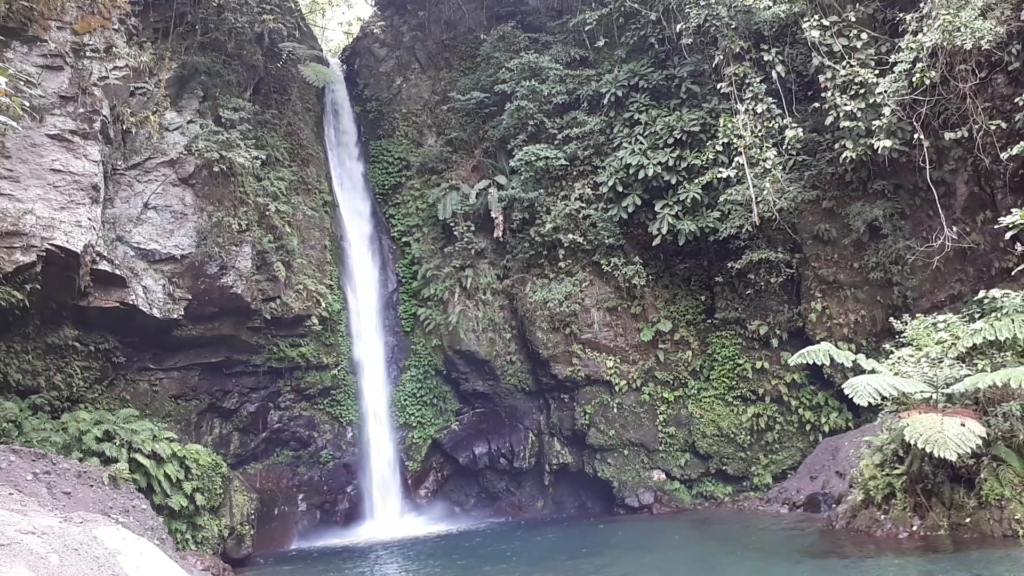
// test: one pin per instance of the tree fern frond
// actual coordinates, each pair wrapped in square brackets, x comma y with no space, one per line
[823,353]
[1011,458]
[868,389]
[317,74]
[944,436]
[1012,377]
[1004,329]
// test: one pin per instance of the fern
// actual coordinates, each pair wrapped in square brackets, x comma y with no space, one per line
[823,353]
[1003,329]
[1011,458]
[945,436]
[869,389]
[318,75]
[1012,377]
[184,482]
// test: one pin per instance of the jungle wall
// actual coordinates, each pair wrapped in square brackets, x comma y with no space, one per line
[618,220]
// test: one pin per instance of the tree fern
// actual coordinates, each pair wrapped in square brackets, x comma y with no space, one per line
[317,74]
[999,329]
[945,436]
[823,353]
[1012,377]
[1011,458]
[869,389]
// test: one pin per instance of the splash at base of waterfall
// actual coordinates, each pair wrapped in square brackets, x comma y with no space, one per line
[428,523]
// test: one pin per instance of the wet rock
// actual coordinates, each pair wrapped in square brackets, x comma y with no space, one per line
[206,563]
[491,438]
[826,471]
[432,475]
[818,502]
[646,498]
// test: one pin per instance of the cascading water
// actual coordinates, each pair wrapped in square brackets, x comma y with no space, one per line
[381,477]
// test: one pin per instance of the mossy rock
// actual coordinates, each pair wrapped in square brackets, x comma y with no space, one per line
[576,322]
[620,421]
[726,438]
[558,455]
[629,471]
[488,330]
[681,465]
[238,512]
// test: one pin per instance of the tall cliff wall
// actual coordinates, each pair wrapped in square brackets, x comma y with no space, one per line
[165,227]
[540,163]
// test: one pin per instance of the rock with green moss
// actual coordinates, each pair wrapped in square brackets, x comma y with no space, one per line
[580,324]
[487,330]
[619,421]
[238,512]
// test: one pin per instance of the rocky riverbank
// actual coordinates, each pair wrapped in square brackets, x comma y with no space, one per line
[63,517]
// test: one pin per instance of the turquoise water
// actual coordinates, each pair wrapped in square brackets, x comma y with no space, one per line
[702,543]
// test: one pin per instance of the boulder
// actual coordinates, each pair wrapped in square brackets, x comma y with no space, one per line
[58,516]
[619,421]
[491,438]
[825,474]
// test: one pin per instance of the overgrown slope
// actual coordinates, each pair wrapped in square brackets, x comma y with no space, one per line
[617,219]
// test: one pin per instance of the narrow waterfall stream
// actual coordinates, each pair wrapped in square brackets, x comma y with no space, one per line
[381,485]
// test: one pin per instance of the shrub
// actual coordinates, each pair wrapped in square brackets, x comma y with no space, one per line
[184,482]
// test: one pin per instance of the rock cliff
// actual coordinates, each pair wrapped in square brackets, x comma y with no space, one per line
[166,243]
[165,225]
[583,347]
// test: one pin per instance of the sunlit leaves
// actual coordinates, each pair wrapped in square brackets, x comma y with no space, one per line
[950,437]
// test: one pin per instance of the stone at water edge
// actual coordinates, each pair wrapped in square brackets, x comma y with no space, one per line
[818,503]
[826,471]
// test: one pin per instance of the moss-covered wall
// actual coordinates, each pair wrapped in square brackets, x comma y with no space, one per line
[656,366]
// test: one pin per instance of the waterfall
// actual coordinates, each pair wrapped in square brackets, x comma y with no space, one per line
[381,478]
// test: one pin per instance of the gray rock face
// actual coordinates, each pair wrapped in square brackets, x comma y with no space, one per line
[62,188]
[102,188]
[825,472]
[490,438]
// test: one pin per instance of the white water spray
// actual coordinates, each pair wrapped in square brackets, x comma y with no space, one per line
[381,481]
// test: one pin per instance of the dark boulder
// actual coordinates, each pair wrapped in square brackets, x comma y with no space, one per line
[818,503]
[491,438]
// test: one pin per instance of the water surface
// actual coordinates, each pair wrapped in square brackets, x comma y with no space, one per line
[702,543]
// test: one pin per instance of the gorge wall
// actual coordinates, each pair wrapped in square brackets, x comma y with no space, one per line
[608,310]
[166,243]
[596,289]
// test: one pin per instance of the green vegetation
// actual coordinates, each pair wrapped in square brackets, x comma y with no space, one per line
[61,365]
[261,148]
[185,482]
[255,128]
[424,403]
[953,382]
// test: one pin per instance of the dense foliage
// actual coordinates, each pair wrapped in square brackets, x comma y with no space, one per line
[954,382]
[185,482]
[727,177]
[705,121]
